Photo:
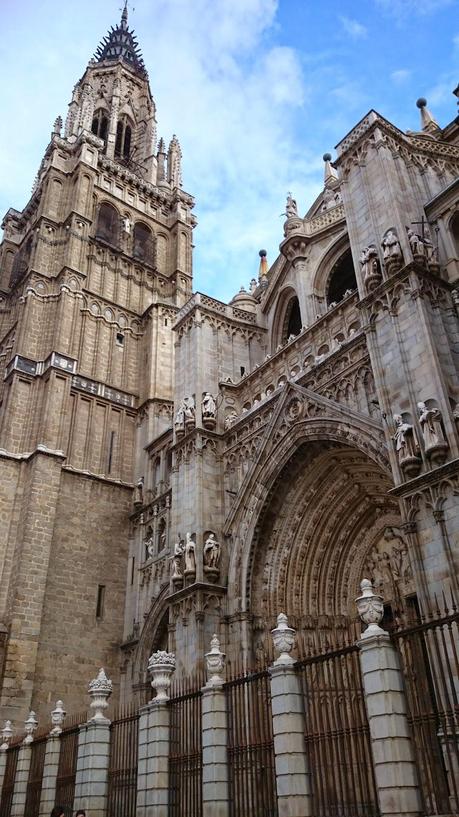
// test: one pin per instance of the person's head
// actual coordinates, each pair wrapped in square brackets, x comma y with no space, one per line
[80,813]
[59,811]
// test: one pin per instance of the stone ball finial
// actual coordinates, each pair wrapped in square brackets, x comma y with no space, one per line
[421,102]
[262,253]
[327,157]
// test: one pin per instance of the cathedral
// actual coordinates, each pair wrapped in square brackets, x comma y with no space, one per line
[173,466]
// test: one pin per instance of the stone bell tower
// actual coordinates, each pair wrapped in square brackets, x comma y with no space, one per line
[92,274]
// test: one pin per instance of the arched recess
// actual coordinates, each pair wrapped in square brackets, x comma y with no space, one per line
[99,124]
[287,319]
[143,248]
[333,274]
[454,227]
[124,137]
[108,224]
[315,517]
[154,636]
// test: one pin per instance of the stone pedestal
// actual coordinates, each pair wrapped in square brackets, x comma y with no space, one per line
[393,754]
[153,762]
[215,795]
[91,785]
[50,767]
[20,783]
[292,773]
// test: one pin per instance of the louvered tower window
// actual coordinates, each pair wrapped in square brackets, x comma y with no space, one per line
[123,138]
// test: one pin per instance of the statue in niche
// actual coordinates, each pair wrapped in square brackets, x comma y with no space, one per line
[190,555]
[177,560]
[406,446]
[416,243]
[370,267]
[126,224]
[432,432]
[189,410]
[291,209]
[180,418]
[212,552]
[208,407]
[138,493]
[392,250]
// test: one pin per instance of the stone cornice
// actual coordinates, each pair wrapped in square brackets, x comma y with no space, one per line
[426,480]
[232,315]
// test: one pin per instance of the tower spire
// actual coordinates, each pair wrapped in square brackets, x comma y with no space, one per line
[124,16]
[120,44]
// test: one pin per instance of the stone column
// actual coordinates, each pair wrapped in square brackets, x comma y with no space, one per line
[392,749]
[6,735]
[154,735]
[215,792]
[91,785]
[293,780]
[51,762]
[22,769]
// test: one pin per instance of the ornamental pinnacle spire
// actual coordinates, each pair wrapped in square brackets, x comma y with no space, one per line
[120,44]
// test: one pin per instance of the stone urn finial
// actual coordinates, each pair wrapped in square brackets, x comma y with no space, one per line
[371,609]
[57,719]
[161,665]
[283,639]
[30,726]
[100,689]
[215,662]
[7,734]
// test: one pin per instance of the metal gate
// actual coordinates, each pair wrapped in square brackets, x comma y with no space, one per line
[66,772]
[252,778]
[35,780]
[430,663]
[185,757]
[122,770]
[337,735]
[12,755]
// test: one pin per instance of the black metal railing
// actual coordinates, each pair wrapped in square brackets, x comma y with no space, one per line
[337,735]
[252,778]
[35,779]
[185,756]
[12,755]
[122,769]
[66,771]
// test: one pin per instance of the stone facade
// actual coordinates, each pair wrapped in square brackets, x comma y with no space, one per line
[175,467]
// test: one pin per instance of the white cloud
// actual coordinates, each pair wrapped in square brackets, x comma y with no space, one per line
[404,9]
[353,28]
[400,76]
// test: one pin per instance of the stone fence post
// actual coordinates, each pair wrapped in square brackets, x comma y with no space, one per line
[215,791]
[6,735]
[154,737]
[293,779]
[51,761]
[392,749]
[23,768]
[91,785]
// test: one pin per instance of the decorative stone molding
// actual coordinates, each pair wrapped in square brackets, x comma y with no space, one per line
[57,719]
[30,726]
[6,735]
[370,607]
[215,663]
[161,665]
[100,689]
[283,639]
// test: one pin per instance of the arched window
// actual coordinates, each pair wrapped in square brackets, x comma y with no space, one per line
[161,535]
[342,278]
[100,124]
[108,224]
[292,318]
[455,231]
[143,243]
[123,138]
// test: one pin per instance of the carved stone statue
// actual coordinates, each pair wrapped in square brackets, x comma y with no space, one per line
[180,419]
[189,410]
[291,209]
[416,243]
[393,257]
[370,268]
[190,555]
[177,561]
[209,409]
[230,419]
[212,551]
[138,493]
[389,566]
[406,446]
[434,440]
[127,225]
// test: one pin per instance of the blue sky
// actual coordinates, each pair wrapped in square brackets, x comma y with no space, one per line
[256,90]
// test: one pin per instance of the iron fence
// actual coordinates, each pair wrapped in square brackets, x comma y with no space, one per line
[429,659]
[66,771]
[252,778]
[185,756]
[122,769]
[12,755]
[35,779]
[337,735]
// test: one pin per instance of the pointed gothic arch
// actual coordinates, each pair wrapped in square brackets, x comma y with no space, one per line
[287,317]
